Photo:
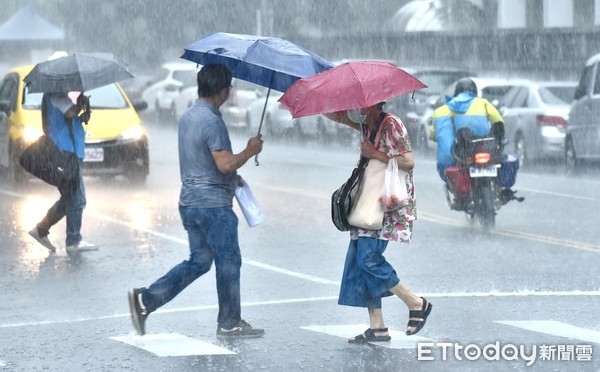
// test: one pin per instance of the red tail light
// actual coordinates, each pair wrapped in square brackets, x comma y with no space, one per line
[482,157]
[549,120]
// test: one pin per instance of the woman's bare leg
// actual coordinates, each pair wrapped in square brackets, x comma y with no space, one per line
[412,301]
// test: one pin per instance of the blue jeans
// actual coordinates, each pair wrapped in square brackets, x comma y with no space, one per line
[71,205]
[367,275]
[213,236]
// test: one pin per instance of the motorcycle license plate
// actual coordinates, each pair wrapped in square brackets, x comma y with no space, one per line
[483,172]
[93,154]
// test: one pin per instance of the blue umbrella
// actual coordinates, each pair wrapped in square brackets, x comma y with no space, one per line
[271,62]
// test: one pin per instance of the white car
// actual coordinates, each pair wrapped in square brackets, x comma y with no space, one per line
[233,110]
[536,117]
[277,119]
[184,100]
[583,131]
[172,78]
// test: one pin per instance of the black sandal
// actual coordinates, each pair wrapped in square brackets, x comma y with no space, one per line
[369,336]
[422,314]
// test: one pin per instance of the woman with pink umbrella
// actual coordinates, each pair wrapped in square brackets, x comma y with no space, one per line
[367,275]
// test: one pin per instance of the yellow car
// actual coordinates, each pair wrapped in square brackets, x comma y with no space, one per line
[116,142]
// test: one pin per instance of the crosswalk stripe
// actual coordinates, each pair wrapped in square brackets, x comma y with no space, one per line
[555,328]
[172,344]
[399,339]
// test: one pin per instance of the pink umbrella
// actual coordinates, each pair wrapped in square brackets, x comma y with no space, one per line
[347,86]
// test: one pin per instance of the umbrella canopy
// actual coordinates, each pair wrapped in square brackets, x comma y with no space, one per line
[271,62]
[347,86]
[76,72]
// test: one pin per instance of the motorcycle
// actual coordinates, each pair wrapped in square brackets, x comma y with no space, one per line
[479,184]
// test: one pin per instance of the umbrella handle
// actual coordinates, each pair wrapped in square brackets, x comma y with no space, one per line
[262,118]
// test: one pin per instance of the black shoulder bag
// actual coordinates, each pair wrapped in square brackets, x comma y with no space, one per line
[344,197]
[45,161]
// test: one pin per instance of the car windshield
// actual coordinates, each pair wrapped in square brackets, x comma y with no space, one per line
[557,95]
[106,97]
[494,93]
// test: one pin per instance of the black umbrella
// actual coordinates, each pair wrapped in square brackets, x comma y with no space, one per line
[76,72]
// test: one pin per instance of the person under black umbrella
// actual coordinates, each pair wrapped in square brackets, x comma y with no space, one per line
[63,126]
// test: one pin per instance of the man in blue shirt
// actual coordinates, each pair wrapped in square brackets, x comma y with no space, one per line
[208,169]
[63,125]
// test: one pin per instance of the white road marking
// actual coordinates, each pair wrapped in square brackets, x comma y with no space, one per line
[168,311]
[524,293]
[516,234]
[399,339]
[433,218]
[173,344]
[569,196]
[311,278]
[555,328]
[2,363]
[422,215]
[245,260]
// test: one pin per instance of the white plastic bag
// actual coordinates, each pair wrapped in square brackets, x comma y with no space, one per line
[393,193]
[248,204]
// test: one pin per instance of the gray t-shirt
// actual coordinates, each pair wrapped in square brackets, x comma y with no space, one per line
[202,131]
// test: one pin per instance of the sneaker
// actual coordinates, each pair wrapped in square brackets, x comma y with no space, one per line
[138,310]
[241,330]
[43,240]
[81,247]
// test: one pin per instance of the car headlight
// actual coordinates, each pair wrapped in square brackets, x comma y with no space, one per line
[135,133]
[30,134]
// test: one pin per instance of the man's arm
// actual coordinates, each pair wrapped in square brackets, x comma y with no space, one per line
[228,162]
[496,121]
[432,128]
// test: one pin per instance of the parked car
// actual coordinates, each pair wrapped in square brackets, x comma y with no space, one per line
[492,89]
[169,81]
[116,142]
[411,107]
[277,119]
[535,115]
[583,131]
[134,88]
[234,109]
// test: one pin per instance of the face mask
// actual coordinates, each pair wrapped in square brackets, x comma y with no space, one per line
[356,116]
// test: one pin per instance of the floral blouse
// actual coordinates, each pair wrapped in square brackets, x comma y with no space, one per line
[393,140]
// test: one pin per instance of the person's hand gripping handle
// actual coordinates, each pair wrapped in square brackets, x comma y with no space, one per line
[255,145]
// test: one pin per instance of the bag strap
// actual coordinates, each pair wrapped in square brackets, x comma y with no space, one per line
[70,124]
[364,161]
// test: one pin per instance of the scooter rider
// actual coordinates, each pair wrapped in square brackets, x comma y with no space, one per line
[464,110]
